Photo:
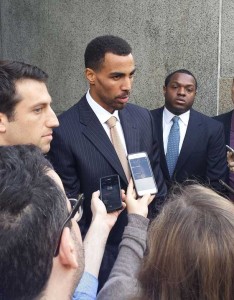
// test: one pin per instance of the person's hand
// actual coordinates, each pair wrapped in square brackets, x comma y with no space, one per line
[137,205]
[230,160]
[99,211]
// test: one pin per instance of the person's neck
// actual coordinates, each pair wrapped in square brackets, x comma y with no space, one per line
[57,291]
[59,285]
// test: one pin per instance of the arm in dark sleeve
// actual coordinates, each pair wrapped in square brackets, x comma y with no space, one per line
[154,157]
[122,281]
[217,158]
[63,161]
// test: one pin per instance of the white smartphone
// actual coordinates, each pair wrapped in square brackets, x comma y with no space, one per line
[230,149]
[142,174]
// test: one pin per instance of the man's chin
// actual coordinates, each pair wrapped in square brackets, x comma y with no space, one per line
[179,110]
[45,149]
[120,106]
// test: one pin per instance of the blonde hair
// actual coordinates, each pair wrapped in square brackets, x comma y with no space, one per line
[190,248]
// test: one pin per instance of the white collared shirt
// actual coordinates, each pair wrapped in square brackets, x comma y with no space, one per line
[167,123]
[103,115]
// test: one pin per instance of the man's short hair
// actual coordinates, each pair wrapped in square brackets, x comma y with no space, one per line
[98,47]
[184,71]
[10,72]
[32,210]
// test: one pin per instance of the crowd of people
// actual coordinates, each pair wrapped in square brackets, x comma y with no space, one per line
[57,240]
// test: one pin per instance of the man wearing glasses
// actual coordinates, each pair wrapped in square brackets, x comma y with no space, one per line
[41,250]
[32,215]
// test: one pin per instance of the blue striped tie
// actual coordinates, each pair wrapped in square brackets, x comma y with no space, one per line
[173,145]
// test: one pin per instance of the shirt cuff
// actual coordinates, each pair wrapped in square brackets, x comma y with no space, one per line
[87,288]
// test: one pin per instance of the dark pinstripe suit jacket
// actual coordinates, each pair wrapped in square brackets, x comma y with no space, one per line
[203,153]
[81,152]
[226,120]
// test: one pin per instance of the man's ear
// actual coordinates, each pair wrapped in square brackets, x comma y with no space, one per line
[67,251]
[90,75]
[164,90]
[3,121]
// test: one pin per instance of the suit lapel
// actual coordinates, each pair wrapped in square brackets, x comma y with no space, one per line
[94,131]
[159,130]
[191,139]
[131,131]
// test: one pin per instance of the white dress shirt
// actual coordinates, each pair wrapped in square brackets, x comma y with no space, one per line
[167,123]
[103,115]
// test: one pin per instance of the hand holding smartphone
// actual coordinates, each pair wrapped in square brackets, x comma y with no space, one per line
[142,174]
[110,192]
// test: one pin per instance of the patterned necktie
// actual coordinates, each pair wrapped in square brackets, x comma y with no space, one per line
[173,145]
[116,141]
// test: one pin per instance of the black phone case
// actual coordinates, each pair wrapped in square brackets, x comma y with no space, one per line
[109,203]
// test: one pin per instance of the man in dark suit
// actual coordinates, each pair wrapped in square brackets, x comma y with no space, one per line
[201,153]
[228,122]
[82,151]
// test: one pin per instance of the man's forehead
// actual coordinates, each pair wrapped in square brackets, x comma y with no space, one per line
[28,85]
[34,92]
[182,78]
[112,60]
[28,82]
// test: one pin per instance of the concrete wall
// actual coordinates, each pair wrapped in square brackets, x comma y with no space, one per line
[165,35]
[226,56]
[0,29]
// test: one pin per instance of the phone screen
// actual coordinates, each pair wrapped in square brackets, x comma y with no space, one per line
[142,175]
[110,192]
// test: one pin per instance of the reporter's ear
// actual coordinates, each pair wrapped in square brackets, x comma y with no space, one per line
[67,250]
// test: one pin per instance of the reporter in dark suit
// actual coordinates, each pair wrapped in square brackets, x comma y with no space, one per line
[201,150]
[227,119]
[82,151]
